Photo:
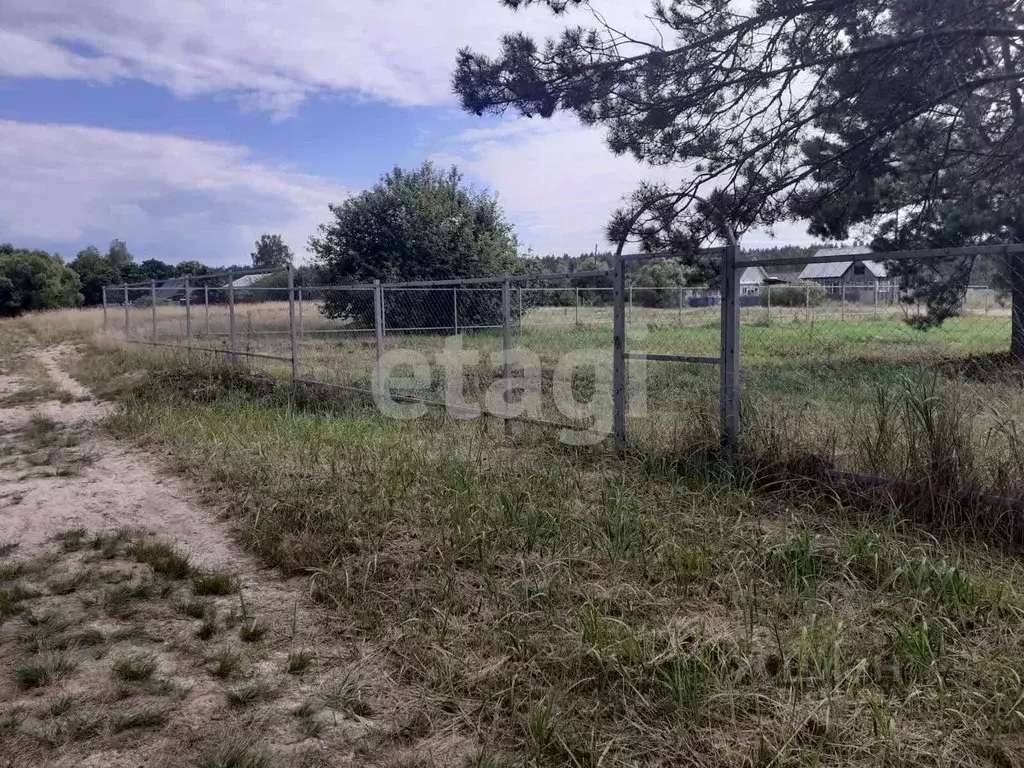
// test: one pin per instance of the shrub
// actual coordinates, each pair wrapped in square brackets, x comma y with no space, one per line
[804,293]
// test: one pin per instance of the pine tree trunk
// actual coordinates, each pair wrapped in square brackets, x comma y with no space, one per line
[1015,267]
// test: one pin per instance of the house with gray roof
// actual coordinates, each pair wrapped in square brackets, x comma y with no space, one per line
[850,275]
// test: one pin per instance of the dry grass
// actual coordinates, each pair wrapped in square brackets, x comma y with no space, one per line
[559,607]
[110,667]
[554,606]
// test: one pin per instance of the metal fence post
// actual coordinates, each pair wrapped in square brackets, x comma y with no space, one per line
[680,305]
[577,308]
[378,316]
[842,302]
[730,403]
[104,309]
[769,320]
[188,317]
[152,300]
[455,308]
[619,353]
[875,309]
[807,301]
[302,327]
[231,319]
[506,346]
[206,302]
[291,325]
[629,317]
[520,310]
[127,320]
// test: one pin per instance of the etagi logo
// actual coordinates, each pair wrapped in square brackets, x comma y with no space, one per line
[580,386]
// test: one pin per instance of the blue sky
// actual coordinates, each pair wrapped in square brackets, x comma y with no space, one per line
[190,127]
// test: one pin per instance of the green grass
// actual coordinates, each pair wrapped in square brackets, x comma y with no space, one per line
[298,661]
[226,663]
[585,607]
[214,583]
[135,668]
[252,631]
[42,669]
[561,606]
[163,558]
[240,754]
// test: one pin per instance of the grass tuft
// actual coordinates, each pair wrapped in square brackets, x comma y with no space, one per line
[236,754]
[226,663]
[252,631]
[298,661]
[139,719]
[42,669]
[163,558]
[251,693]
[135,668]
[214,583]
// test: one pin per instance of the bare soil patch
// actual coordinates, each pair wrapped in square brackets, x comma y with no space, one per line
[134,631]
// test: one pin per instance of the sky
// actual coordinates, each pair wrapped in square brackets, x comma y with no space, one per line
[189,127]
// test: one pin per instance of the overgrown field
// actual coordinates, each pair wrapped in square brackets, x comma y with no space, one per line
[855,388]
[560,606]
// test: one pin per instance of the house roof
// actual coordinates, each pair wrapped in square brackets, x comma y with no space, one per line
[836,269]
[245,281]
[853,250]
[753,276]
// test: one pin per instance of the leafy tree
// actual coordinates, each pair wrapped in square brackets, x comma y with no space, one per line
[654,281]
[271,253]
[415,225]
[31,280]
[154,269]
[902,117]
[95,270]
[191,267]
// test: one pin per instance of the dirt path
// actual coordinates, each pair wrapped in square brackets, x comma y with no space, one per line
[243,661]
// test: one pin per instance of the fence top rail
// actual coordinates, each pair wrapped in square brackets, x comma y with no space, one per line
[456,282]
[929,253]
[211,276]
[705,252]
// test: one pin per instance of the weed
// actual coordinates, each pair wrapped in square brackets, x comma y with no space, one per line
[63,704]
[252,631]
[309,724]
[209,627]
[120,601]
[251,693]
[348,699]
[107,546]
[11,719]
[196,608]
[11,599]
[135,668]
[163,558]
[42,669]
[214,583]
[11,571]
[72,540]
[226,663]
[298,661]
[139,718]
[236,754]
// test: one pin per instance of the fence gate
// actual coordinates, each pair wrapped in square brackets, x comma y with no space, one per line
[685,332]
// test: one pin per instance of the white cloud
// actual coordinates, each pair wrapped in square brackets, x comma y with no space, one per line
[560,183]
[270,53]
[169,197]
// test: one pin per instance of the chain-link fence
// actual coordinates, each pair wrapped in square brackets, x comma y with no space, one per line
[872,363]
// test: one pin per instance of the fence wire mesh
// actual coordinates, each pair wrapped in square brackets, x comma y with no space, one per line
[870,366]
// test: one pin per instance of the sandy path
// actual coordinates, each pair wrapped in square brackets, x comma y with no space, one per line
[119,488]
[106,487]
